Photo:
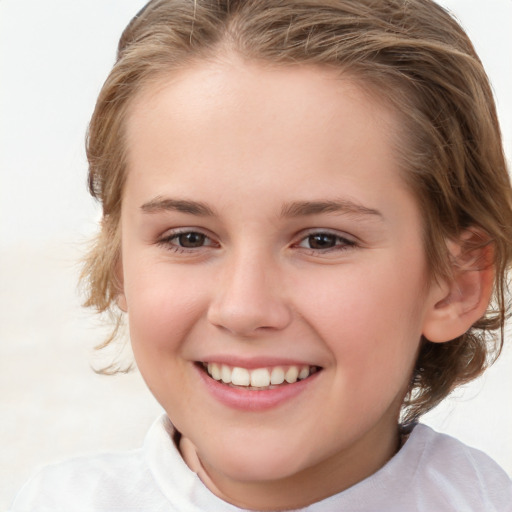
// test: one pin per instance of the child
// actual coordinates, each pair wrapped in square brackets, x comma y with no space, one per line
[307,221]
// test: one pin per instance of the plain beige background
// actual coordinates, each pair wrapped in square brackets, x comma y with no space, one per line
[54,56]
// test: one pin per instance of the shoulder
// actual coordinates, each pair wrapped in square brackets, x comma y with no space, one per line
[432,472]
[461,476]
[102,483]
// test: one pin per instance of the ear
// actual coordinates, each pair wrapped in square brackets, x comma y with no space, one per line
[460,300]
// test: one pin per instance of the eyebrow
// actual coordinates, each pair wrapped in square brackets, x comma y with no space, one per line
[161,204]
[343,206]
[294,209]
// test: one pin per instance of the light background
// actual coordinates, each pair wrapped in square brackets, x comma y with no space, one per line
[54,56]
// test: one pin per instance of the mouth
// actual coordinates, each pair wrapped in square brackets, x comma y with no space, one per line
[258,379]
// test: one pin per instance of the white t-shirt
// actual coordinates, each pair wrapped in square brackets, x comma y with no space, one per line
[431,473]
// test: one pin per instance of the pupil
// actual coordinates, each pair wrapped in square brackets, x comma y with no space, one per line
[191,240]
[322,241]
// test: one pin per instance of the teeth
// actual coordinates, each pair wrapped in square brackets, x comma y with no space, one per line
[304,372]
[259,377]
[277,376]
[291,374]
[240,376]
[214,371]
[225,374]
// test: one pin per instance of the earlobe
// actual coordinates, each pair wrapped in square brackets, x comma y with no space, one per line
[462,299]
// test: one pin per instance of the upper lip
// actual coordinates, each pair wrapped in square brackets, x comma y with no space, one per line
[256,362]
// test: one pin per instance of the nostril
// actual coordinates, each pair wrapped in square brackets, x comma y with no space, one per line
[246,319]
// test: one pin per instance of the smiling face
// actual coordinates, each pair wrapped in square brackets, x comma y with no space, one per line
[268,235]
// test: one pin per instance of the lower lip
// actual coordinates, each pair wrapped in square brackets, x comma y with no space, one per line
[255,400]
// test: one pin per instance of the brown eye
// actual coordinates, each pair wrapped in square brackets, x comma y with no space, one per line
[322,241]
[187,242]
[190,240]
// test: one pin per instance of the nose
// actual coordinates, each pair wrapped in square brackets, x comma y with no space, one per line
[250,297]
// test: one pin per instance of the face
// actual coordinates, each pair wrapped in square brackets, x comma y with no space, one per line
[267,235]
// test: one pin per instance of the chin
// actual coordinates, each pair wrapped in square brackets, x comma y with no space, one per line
[254,464]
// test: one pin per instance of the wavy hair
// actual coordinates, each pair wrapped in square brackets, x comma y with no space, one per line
[410,54]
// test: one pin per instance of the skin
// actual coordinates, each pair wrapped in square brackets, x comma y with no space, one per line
[248,140]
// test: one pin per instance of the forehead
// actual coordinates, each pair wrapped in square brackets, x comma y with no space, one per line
[230,90]
[225,119]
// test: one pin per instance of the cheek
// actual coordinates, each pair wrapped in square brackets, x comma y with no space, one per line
[371,317]
[161,312]
[162,307]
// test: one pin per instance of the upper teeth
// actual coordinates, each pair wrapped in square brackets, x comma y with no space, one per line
[258,377]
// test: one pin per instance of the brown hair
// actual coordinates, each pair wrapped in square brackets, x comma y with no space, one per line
[409,53]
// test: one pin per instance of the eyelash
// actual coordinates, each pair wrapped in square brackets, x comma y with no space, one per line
[340,243]
[167,241]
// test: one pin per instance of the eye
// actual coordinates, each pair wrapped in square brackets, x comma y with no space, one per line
[190,240]
[324,241]
[321,241]
[186,241]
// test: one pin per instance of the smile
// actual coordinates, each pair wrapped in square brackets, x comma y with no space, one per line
[258,378]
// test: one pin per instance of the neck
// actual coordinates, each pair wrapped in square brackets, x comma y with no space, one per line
[313,484]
